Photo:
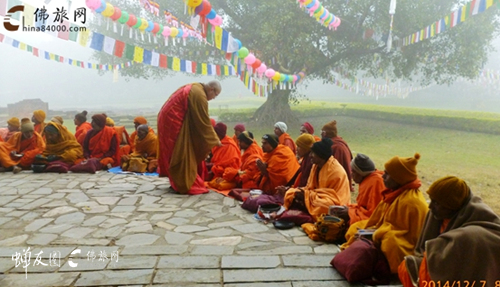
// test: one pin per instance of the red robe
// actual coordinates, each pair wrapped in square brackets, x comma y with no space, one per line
[185,136]
[81,132]
[100,145]
[342,152]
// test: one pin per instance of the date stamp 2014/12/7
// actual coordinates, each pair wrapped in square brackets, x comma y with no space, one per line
[458,283]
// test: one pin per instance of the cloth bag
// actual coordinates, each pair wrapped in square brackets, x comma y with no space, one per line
[326,228]
[363,262]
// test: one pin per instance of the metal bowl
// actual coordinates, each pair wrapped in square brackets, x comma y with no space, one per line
[38,168]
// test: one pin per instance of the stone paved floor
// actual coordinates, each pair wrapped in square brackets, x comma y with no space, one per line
[130,231]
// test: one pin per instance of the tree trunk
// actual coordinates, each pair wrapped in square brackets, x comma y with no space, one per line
[275,109]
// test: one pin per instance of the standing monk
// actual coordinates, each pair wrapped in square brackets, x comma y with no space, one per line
[39,120]
[186,136]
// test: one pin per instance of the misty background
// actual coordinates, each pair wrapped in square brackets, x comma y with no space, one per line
[65,87]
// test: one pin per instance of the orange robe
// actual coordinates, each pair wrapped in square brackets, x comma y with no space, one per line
[66,146]
[39,128]
[147,146]
[81,131]
[100,144]
[6,160]
[316,138]
[128,149]
[250,173]
[369,196]
[286,140]
[29,147]
[122,134]
[325,187]
[224,157]
[281,167]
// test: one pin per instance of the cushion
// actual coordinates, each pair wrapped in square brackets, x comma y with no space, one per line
[57,166]
[87,166]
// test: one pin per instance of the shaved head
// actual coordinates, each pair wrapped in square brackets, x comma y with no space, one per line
[216,85]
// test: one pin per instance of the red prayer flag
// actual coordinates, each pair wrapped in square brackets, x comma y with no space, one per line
[35,51]
[193,67]
[1,38]
[229,56]
[61,59]
[217,70]
[119,48]
[163,61]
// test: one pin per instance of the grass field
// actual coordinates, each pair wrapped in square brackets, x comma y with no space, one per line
[473,157]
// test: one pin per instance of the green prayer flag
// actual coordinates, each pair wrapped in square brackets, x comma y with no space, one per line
[73,34]
[129,52]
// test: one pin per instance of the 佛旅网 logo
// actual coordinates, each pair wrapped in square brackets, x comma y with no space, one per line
[7,24]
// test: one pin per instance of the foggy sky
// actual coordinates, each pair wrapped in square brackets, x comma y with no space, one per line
[24,76]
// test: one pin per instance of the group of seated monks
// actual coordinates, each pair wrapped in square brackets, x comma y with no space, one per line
[97,145]
[419,241]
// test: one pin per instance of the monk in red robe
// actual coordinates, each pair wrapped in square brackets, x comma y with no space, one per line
[307,128]
[101,142]
[82,126]
[224,158]
[340,149]
[285,139]
[39,120]
[238,129]
[186,136]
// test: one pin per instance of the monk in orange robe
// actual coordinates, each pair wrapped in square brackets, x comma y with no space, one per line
[27,143]
[127,149]
[145,147]
[248,173]
[371,185]
[39,120]
[82,126]
[285,139]
[307,128]
[327,184]
[121,132]
[13,126]
[101,142]
[278,166]
[223,158]
[61,144]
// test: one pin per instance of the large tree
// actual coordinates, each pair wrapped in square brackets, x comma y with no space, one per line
[287,39]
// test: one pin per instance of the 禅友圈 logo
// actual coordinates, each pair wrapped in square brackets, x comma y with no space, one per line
[7,24]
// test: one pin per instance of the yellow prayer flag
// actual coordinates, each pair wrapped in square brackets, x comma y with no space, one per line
[447,20]
[463,13]
[218,37]
[84,37]
[247,78]
[489,3]
[226,70]
[176,64]
[433,30]
[422,34]
[22,46]
[74,63]
[138,54]
[204,69]
[52,56]
[28,14]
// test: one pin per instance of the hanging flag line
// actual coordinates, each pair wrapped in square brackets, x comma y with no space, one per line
[456,17]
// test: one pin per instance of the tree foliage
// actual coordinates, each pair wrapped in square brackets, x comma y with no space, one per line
[287,39]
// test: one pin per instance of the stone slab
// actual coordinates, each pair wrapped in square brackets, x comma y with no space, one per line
[133,262]
[108,277]
[280,274]
[152,250]
[137,239]
[195,262]
[212,250]
[235,262]
[39,280]
[187,275]
[83,264]
[293,249]
[307,260]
